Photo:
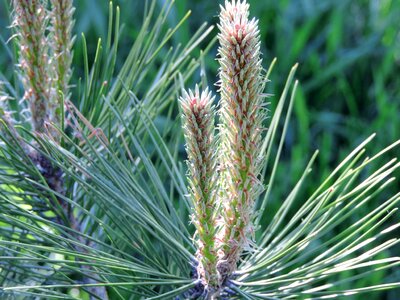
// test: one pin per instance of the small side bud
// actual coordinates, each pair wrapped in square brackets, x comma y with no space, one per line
[198,117]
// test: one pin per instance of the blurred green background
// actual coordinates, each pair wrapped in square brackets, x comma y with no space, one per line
[349,56]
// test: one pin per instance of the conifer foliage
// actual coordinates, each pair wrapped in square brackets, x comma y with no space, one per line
[95,202]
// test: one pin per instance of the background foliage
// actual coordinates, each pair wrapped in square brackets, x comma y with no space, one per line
[349,55]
